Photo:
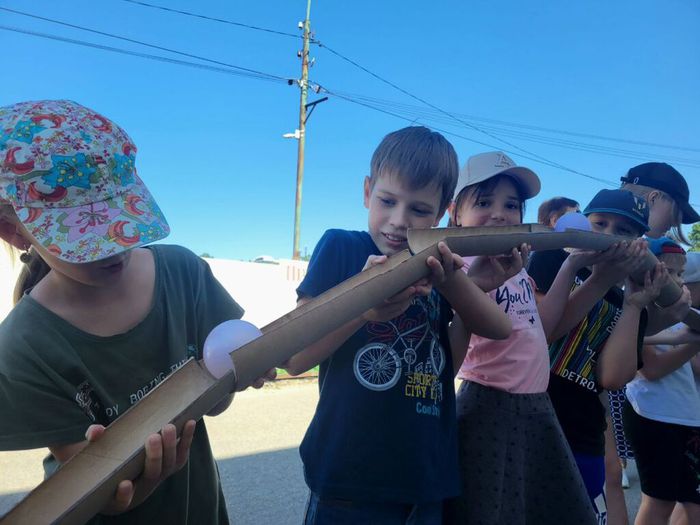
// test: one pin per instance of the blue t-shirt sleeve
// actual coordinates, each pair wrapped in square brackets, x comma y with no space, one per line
[326,268]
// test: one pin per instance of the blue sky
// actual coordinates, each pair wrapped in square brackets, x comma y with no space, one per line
[211,147]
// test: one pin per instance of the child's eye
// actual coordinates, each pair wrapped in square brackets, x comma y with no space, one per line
[421,212]
[386,202]
[513,206]
[482,203]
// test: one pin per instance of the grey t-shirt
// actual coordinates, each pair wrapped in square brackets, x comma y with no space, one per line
[56,380]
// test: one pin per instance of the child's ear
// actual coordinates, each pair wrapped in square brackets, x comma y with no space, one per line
[367,192]
[10,234]
[451,210]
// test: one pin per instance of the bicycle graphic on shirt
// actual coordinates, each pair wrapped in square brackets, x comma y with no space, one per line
[378,366]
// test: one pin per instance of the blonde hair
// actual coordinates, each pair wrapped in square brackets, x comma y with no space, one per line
[32,271]
[644,191]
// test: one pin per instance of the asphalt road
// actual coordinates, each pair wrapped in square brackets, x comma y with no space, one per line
[255,443]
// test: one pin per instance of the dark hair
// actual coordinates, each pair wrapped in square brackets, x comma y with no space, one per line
[30,274]
[485,186]
[553,207]
[419,157]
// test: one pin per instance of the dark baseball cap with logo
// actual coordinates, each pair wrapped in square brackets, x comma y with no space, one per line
[664,177]
[620,202]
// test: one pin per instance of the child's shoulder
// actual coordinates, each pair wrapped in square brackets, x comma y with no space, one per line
[345,243]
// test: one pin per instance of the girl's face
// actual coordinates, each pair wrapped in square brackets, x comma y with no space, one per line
[500,206]
[663,213]
[94,274]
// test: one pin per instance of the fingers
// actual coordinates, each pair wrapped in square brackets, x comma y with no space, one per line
[169,440]
[153,465]
[374,260]
[183,447]
[121,500]
[94,432]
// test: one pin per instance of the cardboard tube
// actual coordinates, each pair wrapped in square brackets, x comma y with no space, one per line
[87,482]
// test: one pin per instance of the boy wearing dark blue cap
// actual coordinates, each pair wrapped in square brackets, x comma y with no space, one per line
[601,352]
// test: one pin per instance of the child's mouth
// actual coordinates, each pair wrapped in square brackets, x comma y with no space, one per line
[394,239]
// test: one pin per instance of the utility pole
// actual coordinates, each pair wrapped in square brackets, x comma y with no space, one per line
[303,85]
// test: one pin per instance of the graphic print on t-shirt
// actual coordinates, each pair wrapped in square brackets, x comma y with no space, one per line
[517,301]
[574,356]
[405,350]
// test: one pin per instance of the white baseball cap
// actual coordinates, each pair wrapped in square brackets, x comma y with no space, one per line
[691,274]
[483,166]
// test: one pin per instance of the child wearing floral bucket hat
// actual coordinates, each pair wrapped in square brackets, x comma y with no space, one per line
[100,318]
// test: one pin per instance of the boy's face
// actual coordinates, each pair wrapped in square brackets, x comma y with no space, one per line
[675,263]
[613,224]
[394,208]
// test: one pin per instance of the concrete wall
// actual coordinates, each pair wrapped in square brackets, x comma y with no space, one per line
[265,291]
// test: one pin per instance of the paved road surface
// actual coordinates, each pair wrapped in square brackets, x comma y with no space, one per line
[255,443]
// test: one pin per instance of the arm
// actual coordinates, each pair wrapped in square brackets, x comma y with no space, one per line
[475,311]
[554,303]
[659,364]
[325,347]
[661,318]
[617,363]
[613,265]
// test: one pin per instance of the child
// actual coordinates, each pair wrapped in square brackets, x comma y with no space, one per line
[514,462]
[381,447]
[601,351]
[550,210]
[662,416]
[102,319]
[667,195]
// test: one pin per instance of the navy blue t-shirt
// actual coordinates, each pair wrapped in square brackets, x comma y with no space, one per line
[385,424]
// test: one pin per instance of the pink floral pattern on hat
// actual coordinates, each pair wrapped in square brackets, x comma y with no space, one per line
[70,175]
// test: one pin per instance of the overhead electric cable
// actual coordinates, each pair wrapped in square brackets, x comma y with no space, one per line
[244,72]
[213,19]
[111,35]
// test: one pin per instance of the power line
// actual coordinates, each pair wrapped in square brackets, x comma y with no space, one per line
[427,112]
[111,35]
[227,70]
[446,132]
[428,116]
[214,19]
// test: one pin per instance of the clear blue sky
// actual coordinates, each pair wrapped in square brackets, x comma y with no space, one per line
[211,146]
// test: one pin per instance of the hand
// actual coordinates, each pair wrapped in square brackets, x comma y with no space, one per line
[620,260]
[270,375]
[443,271]
[642,295]
[165,455]
[676,312]
[488,272]
[396,305]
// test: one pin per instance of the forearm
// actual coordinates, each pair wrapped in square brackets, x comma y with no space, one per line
[617,363]
[659,364]
[321,350]
[479,314]
[579,303]
[552,305]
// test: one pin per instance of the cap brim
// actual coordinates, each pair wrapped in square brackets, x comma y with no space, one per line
[615,211]
[528,180]
[96,231]
[690,216]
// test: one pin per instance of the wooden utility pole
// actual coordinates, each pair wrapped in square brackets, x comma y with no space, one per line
[303,85]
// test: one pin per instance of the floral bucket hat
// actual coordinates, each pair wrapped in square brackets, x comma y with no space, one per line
[69,174]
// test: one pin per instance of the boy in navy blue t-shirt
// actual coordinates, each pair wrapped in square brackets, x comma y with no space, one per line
[381,447]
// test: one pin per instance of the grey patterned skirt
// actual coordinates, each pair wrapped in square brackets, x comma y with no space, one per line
[516,467]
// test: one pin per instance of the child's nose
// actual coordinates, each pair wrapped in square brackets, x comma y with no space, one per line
[399,217]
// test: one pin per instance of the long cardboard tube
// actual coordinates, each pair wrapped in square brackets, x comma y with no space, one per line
[85,483]
[484,241]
